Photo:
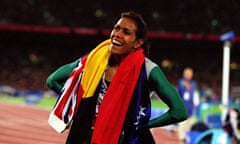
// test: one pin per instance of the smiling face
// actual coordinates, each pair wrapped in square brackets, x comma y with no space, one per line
[123,37]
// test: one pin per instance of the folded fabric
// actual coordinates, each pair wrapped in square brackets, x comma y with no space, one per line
[79,85]
[112,113]
[82,84]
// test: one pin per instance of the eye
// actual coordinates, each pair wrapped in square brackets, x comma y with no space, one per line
[116,27]
[126,32]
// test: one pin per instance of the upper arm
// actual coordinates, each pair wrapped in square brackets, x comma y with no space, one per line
[56,80]
[166,91]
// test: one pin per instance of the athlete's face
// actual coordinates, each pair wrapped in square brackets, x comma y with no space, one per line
[123,37]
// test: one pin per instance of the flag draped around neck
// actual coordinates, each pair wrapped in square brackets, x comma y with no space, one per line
[82,84]
[114,107]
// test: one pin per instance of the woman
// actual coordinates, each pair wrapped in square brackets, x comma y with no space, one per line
[105,94]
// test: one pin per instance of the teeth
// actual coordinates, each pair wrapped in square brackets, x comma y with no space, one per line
[116,43]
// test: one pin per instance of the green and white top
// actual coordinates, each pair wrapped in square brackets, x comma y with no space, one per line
[156,82]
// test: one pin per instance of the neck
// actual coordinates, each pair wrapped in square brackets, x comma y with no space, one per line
[116,59]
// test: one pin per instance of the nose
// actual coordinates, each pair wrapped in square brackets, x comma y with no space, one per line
[117,33]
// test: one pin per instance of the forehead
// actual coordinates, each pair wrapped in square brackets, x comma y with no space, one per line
[188,72]
[127,23]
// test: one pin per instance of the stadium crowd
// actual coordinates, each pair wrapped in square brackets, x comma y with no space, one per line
[27,65]
[217,16]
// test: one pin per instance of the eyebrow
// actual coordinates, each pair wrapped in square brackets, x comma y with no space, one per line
[124,28]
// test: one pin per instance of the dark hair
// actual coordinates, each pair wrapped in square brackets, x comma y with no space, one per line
[141,32]
[141,25]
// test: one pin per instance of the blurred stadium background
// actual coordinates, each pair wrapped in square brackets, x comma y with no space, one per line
[38,36]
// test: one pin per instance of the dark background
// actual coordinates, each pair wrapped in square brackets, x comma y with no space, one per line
[29,53]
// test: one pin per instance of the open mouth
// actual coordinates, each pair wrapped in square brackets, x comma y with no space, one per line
[117,43]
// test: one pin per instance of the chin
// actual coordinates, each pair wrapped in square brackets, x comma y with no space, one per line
[114,50]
